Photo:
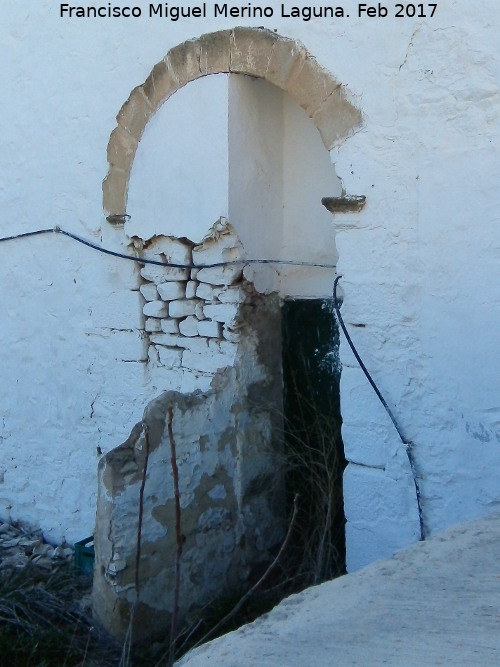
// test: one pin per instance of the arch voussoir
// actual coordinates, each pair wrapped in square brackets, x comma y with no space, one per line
[114,191]
[311,86]
[251,51]
[121,149]
[286,61]
[135,113]
[215,52]
[336,118]
[159,85]
[183,62]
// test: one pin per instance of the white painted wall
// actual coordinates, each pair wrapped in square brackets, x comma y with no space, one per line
[256,172]
[421,269]
[420,262]
[279,170]
[178,183]
[308,228]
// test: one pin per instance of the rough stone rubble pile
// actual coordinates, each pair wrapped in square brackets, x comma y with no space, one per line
[191,314]
[19,547]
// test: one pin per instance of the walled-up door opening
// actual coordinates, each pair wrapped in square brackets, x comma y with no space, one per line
[240,148]
[231,169]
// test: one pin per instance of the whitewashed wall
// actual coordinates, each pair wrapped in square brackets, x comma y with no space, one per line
[178,184]
[420,262]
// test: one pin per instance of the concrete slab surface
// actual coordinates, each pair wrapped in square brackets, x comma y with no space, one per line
[434,603]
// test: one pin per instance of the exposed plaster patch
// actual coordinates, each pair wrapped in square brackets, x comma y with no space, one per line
[231,499]
[228,433]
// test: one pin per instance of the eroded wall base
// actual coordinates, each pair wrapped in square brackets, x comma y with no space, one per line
[228,442]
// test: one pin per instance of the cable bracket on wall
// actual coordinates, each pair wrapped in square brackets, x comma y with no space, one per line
[344,204]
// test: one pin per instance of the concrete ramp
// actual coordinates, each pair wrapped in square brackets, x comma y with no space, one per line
[434,603]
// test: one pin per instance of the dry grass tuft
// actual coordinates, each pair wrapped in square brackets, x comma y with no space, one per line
[43,621]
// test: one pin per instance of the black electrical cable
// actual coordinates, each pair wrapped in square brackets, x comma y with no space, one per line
[26,234]
[407,444]
[144,260]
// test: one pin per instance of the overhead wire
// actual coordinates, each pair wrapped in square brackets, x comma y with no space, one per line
[156,262]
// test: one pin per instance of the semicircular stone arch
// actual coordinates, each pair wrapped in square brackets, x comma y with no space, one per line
[255,52]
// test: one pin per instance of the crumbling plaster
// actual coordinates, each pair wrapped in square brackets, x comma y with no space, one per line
[228,454]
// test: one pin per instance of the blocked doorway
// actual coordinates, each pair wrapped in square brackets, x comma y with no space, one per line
[267,171]
[269,189]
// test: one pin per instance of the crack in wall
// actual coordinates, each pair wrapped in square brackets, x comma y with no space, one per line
[410,44]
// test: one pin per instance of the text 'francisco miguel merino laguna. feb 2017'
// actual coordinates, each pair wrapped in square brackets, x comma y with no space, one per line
[226,10]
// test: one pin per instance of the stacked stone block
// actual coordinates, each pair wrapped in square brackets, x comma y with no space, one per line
[192,304]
